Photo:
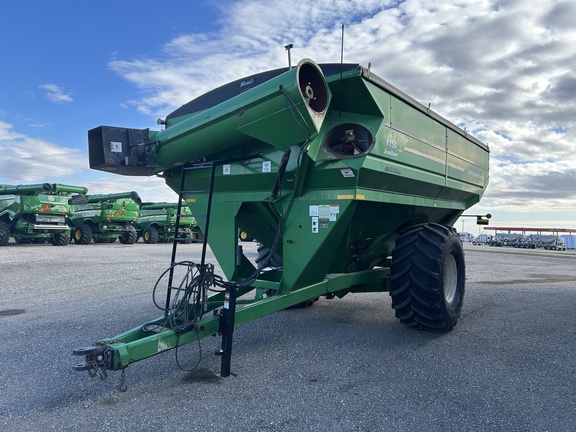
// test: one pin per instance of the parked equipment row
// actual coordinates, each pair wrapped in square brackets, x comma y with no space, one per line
[532,241]
[59,214]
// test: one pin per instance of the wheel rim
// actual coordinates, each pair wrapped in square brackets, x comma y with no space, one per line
[450,278]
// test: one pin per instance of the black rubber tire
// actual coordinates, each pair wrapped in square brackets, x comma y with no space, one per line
[263,252]
[197,235]
[4,233]
[83,234]
[276,261]
[150,235]
[60,239]
[305,304]
[129,237]
[428,277]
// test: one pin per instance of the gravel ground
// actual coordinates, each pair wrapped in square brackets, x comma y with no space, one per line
[341,365]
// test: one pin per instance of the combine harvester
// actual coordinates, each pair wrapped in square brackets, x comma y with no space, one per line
[351,185]
[107,218]
[157,222]
[37,213]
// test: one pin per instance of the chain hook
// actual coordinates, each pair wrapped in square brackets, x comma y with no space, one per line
[122,387]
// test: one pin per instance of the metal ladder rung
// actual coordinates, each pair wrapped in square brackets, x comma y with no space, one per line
[183,239]
[195,191]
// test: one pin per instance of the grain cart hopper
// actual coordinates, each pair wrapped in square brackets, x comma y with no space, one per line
[157,222]
[36,213]
[105,218]
[352,185]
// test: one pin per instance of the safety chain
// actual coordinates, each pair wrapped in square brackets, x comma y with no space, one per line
[103,360]
[122,387]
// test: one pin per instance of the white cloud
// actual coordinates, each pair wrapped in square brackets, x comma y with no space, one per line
[34,160]
[150,189]
[31,160]
[55,93]
[502,68]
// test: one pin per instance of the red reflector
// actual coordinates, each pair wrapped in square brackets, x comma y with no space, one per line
[117,214]
[47,207]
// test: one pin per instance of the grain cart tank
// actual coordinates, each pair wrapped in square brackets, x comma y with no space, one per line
[157,222]
[352,185]
[36,213]
[105,218]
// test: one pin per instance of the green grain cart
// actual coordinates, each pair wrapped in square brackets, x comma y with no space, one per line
[36,213]
[106,218]
[351,185]
[157,222]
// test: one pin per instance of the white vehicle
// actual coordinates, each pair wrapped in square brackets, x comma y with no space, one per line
[505,240]
[481,239]
[549,242]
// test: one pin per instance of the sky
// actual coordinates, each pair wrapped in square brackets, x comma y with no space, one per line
[504,70]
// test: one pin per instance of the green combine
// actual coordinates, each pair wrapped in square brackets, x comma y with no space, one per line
[36,213]
[350,184]
[107,218]
[157,222]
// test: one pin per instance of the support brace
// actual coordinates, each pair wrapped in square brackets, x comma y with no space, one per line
[228,316]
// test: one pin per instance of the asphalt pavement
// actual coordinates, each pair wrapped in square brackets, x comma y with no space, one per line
[340,365]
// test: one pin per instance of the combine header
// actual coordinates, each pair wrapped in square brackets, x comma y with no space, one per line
[350,184]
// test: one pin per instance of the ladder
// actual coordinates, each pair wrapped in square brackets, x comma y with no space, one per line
[229,310]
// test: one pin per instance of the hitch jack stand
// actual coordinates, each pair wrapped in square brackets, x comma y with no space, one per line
[228,315]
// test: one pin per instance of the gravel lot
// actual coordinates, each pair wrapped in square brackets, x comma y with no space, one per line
[341,365]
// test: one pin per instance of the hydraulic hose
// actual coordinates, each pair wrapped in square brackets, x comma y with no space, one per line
[281,172]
